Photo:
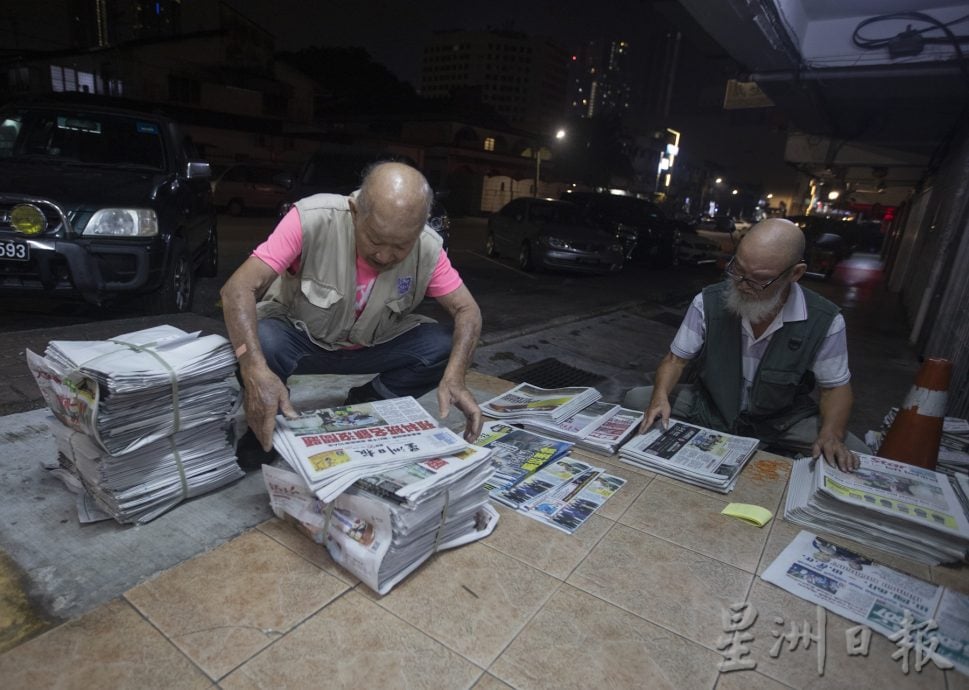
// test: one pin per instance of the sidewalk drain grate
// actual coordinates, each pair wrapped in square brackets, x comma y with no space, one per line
[669,318]
[551,373]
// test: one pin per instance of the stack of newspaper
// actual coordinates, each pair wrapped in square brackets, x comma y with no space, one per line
[953,447]
[528,401]
[144,417]
[380,535]
[517,453]
[600,426]
[690,453]
[889,601]
[333,448]
[907,510]
[563,493]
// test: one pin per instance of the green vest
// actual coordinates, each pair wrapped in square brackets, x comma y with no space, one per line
[319,299]
[779,395]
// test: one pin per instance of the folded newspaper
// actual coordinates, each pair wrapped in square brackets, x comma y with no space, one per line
[380,541]
[882,598]
[690,453]
[906,510]
[332,448]
[562,494]
[531,401]
[600,426]
[143,420]
[517,453]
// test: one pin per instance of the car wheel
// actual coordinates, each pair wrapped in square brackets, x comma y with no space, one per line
[178,286]
[490,248]
[209,267]
[525,261]
[235,207]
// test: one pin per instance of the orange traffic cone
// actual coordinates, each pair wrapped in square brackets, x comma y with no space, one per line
[915,434]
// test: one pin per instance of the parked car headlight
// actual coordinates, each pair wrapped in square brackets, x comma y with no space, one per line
[123,222]
[557,243]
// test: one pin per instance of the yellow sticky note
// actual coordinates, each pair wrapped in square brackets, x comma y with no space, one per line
[751,513]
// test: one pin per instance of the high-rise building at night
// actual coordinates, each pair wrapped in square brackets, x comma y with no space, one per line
[601,79]
[523,78]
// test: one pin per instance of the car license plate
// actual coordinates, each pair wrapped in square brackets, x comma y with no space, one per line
[15,250]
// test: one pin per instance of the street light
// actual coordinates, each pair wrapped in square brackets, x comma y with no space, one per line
[543,151]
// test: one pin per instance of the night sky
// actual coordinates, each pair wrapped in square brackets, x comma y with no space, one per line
[394,32]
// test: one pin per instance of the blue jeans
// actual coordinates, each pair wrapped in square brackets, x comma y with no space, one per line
[410,364]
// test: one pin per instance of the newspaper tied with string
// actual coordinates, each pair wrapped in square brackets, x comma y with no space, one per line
[143,419]
[381,486]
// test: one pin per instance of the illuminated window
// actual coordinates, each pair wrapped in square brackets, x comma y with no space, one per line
[489,144]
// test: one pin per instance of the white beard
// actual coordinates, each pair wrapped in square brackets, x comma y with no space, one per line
[753,308]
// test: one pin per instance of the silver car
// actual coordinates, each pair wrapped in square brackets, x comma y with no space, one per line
[543,233]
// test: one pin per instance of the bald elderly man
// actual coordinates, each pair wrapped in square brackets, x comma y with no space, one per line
[333,290]
[760,342]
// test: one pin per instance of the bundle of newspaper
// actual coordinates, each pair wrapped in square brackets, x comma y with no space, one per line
[600,426]
[690,453]
[141,485]
[381,541]
[953,447]
[143,418]
[906,510]
[562,494]
[528,401]
[333,448]
[889,601]
[517,453]
[137,387]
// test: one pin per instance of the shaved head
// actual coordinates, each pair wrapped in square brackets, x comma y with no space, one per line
[389,213]
[771,242]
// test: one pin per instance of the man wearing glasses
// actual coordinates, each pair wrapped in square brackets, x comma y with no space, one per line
[760,342]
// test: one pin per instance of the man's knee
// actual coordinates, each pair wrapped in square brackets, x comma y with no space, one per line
[436,341]
[638,398]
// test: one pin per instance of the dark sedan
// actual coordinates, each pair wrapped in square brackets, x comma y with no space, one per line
[543,233]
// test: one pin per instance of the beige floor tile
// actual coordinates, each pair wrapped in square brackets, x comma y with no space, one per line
[783,532]
[748,680]
[544,547]
[762,481]
[290,537]
[955,577]
[580,641]
[489,682]
[694,520]
[225,605]
[110,647]
[353,643]
[473,599]
[667,584]
[620,501]
[956,681]
[798,667]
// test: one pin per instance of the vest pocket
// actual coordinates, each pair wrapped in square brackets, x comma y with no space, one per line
[320,295]
[774,390]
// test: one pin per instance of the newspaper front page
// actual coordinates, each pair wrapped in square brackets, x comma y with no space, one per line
[872,594]
[334,445]
[553,403]
[691,453]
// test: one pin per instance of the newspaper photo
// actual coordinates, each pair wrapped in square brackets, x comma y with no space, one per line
[563,494]
[692,453]
[517,453]
[872,594]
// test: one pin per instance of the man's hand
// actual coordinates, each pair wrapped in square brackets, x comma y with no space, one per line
[659,407]
[835,453]
[265,395]
[457,394]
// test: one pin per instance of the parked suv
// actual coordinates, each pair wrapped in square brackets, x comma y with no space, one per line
[341,173]
[647,235]
[97,202]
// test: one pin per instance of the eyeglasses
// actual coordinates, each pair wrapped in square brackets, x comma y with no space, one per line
[731,272]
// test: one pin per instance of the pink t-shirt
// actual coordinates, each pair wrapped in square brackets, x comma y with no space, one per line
[283,247]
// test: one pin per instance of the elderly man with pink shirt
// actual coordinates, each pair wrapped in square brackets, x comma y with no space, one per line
[333,290]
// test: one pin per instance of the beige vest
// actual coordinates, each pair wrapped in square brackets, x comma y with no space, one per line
[319,299]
